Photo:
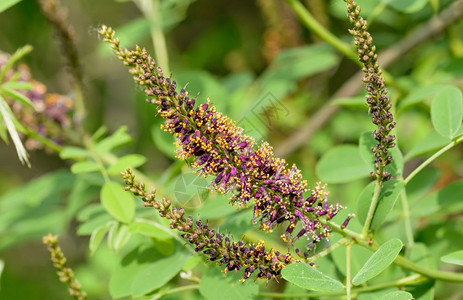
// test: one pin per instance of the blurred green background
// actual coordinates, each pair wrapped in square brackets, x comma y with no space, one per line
[238,53]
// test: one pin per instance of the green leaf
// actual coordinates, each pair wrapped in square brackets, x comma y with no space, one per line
[7,92]
[419,94]
[419,254]
[388,196]
[130,265]
[447,111]
[367,141]
[17,55]
[18,85]
[342,164]
[119,203]
[149,228]
[158,273]
[127,161]
[84,167]
[307,277]
[300,62]
[117,139]
[120,237]
[455,258]
[96,237]
[5,4]
[215,285]
[81,194]
[378,262]
[407,6]
[37,191]
[447,199]
[8,119]
[431,142]
[72,152]
[397,295]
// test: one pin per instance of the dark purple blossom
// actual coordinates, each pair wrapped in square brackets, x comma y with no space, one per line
[250,173]
[377,98]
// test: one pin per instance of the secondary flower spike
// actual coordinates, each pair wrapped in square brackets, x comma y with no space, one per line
[249,258]
[219,149]
[377,97]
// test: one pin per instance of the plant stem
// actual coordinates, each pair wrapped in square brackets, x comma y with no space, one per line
[176,290]
[328,250]
[348,275]
[432,158]
[400,282]
[151,10]
[371,210]
[43,140]
[311,23]
[406,211]
[400,260]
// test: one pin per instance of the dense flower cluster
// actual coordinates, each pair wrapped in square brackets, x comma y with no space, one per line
[377,97]
[249,258]
[219,148]
[65,274]
[52,111]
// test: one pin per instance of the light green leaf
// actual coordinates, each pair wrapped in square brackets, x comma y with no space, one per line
[149,228]
[378,262]
[7,92]
[397,295]
[130,265]
[96,237]
[296,63]
[455,258]
[307,277]
[158,273]
[119,203]
[72,152]
[215,285]
[17,55]
[447,111]
[127,161]
[84,167]
[18,85]
[121,237]
[342,164]
[8,118]
[447,199]
[419,94]
[407,6]
[117,139]
[5,4]
[388,196]
[430,143]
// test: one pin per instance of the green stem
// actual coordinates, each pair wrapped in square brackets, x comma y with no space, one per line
[306,17]
[401,282]
[406,212]
[151,10]
[328,250]
[371,210]
[432,158]
[348,275]
[400,260]
[43,140]
[177,290]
